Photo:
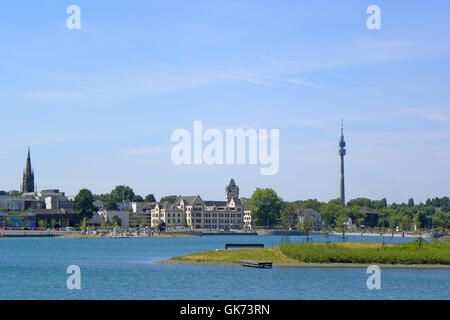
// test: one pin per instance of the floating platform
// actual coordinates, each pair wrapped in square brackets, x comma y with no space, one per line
[244,245]
[256,264]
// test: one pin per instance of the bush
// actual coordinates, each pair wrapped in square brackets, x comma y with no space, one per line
[407,253]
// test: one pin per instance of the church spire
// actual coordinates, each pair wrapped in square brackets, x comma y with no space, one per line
[28,176]
[28,167]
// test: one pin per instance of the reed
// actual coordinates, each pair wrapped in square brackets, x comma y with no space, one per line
[407,253]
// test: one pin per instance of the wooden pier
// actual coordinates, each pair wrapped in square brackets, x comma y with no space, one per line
[244,245]
[256,264]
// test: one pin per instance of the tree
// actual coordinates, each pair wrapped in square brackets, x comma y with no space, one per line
[361,222]
[53,223]
[438,222]
[405,224]
[14,193]
[84,204]
[288,215]
[161,226]
[311,204]
[394,221]
[42,224]
[138,198]
[330,211]
[341,223]
[326,231]
[420,220]
[441,220]
[84,224]
[265,206]
[170,199]
[110,203]
[116,220]
[122,193]
[361,202]
[410,202]
[336,201]
[305,226]
[150,198]
[103,224]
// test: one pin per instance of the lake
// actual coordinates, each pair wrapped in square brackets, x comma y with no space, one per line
[35,268]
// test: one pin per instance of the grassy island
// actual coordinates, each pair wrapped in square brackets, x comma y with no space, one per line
[233,256]
[350,252]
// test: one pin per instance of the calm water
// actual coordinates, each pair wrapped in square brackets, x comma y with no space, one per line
[35,268]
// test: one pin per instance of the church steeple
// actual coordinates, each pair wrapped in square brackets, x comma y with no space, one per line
[28,176]
[232,190]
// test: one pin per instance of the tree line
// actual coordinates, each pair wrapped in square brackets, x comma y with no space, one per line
[269,210]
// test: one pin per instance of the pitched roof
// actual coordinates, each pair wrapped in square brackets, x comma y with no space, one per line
[211,203]
[148,205]
[367,210]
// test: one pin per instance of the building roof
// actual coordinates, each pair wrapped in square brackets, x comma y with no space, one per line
[367,210]
[148,205]
[212,203]
[53,211]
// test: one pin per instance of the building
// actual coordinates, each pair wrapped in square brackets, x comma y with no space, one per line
[141,214]
[106,215]
[99,204]
[54,199]
[371,216]
[310,213]
[61,217]
[28,176]
[19,203]
[124,205]
[194,213]
[247,220]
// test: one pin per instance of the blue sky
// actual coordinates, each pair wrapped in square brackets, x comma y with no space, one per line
[97,105]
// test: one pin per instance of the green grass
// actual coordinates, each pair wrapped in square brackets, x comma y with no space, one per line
[233,256]
[406,253]
[350,252]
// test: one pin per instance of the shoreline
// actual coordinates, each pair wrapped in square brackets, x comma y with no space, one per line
[80,235]
[308,265]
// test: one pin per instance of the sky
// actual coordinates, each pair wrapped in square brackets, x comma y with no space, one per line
[97,105]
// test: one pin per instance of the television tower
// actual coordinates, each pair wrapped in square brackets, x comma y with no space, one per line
[342,154]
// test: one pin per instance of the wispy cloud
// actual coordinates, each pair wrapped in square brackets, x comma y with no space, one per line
[249,77]
[427,113]
[300,82]
[145,150]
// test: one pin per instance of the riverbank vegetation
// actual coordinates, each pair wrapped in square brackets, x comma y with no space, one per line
[437,252]
[417,252]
